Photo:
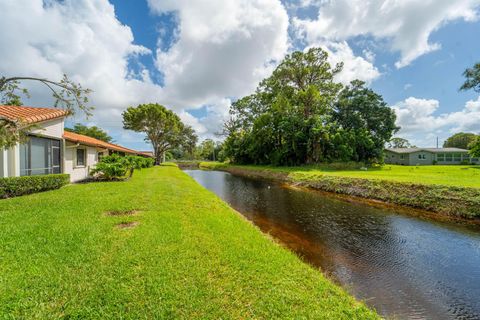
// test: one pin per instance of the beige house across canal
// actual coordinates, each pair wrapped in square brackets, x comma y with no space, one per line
[428,156]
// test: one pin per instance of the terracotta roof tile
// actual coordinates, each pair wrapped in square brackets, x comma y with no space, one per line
[89,141]
[31,114]
[34,115]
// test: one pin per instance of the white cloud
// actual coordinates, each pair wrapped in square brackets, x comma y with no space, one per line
[192,121]
[224,48]
[82,39]
[210,125]
[407,24]
[420,122]
[354,67]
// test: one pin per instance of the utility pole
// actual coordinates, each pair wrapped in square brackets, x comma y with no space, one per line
[437,142]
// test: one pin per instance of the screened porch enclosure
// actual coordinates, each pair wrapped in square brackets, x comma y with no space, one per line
[40,156]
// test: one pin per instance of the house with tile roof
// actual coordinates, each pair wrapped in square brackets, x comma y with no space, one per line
[51,149]
[428,156]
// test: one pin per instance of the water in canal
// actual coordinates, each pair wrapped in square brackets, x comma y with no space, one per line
[404,266]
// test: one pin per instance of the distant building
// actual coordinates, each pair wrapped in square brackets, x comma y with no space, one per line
[428,156]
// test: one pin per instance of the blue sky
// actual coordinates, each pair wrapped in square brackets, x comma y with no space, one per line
[196,57]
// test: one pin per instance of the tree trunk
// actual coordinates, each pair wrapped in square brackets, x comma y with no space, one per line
[157,155]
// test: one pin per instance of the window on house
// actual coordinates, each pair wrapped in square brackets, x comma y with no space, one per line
[457,157]
[441,157]
[99,156]
[40,156]
[81,157]
[422,156]
[448,157]
[402,157]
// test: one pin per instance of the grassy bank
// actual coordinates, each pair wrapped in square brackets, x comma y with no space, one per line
[434,188]
[457,176]
[157,246]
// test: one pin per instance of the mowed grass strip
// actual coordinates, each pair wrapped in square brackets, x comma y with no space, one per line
[185,255]
[450,175]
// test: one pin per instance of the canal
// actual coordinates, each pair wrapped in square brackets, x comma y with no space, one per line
[404,266]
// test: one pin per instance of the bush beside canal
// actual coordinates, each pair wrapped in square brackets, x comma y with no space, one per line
[449,200]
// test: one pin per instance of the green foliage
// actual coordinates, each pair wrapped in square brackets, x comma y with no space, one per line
[9,93]
[68,95]
[163,128]
[13,132]
[475,148]
[94,132]
[146,162]
[472,76]
[207,149]
[116,167]
[399,143]
[300,115]
[460,140]
[367,121]
[189,142]
[110,167]
[18,186]
[187,150]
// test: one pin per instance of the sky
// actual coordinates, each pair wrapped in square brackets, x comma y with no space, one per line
[197,56]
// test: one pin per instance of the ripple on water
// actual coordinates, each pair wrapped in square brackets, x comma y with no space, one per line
[403,266]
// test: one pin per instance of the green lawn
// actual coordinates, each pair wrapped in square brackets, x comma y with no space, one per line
[462,176]
[189,256]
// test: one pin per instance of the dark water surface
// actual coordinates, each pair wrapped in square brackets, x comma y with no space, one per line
[404,266]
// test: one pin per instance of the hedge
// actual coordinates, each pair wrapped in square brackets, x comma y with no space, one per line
[17,186]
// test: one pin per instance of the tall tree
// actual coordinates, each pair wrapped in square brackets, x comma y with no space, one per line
[472,80]
[398,142]
[93,131]
[363,113]
[68,95]
[189,141]
[300,115]
[163,128]
[475,147]
[460,140]
[284,121]
[207,149]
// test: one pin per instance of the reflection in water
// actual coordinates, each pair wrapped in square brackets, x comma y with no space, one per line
[401,265]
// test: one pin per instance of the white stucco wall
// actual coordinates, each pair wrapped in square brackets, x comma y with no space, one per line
[51,128]
[78,173]
[3,163]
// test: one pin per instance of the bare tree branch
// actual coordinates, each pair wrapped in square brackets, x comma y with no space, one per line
[67,94]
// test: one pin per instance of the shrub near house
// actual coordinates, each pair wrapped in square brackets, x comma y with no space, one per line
[18,186]
[115,167]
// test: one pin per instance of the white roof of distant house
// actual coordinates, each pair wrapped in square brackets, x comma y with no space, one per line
[433,150]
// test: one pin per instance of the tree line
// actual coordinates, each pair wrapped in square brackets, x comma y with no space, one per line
[301,115]
[298,115]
